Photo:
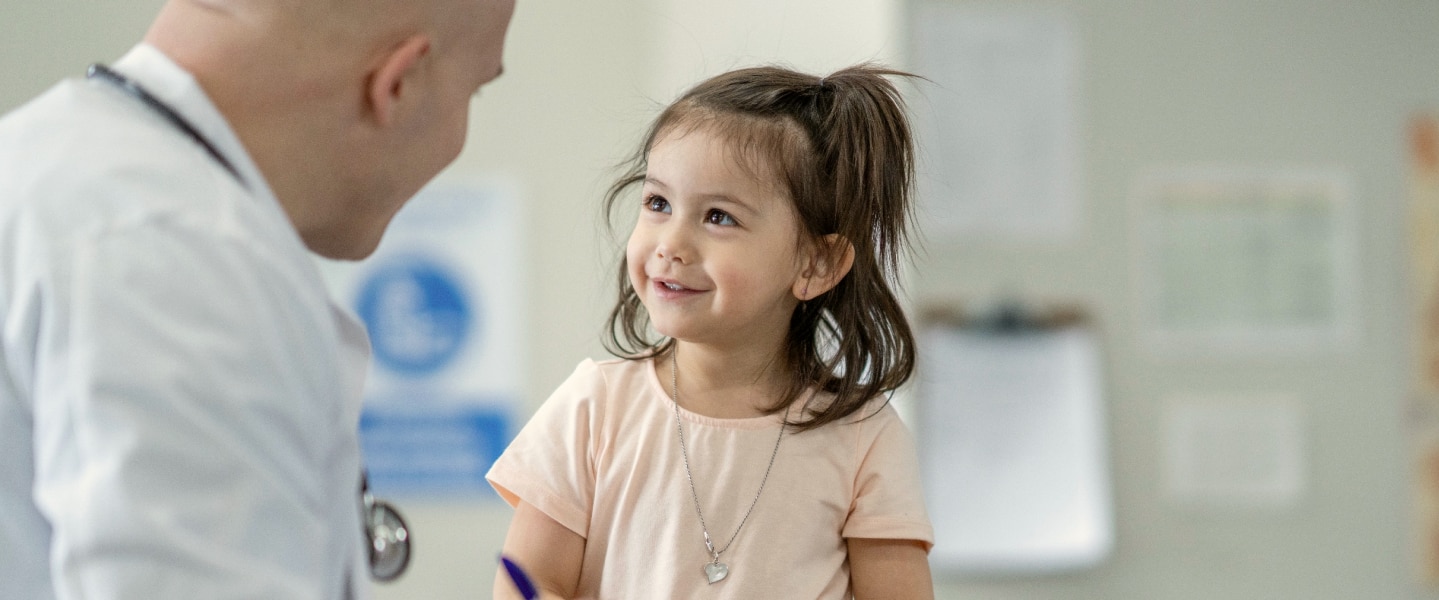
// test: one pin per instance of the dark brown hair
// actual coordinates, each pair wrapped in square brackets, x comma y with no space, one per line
[840,145]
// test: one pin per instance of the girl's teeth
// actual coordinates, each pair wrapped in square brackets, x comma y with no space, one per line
[673,286]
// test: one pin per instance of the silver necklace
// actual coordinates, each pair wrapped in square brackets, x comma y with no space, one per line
[714,570]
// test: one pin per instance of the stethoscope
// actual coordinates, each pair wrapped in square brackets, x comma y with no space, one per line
[389,537]
[388,534]
[102,72]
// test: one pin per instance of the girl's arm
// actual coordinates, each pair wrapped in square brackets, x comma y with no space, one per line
[881,568]
[550,554]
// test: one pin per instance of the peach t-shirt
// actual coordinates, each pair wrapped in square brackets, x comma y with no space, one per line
[602,457]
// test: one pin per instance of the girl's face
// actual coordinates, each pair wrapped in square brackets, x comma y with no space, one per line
[714,256]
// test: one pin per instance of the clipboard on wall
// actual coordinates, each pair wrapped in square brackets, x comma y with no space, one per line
[1013,442]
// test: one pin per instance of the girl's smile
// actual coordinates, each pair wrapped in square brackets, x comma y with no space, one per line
[669,290]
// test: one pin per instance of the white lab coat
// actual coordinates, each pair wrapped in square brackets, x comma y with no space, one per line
[179,396]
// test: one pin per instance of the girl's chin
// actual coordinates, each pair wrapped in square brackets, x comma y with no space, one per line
[669,331]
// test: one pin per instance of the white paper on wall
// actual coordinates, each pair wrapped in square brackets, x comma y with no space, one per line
[1234,451]
[997,123]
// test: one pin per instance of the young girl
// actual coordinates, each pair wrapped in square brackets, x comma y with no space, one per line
[743,447]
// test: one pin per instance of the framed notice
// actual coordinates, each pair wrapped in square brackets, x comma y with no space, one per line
[1245,260]
[1424,252]
[1423,416]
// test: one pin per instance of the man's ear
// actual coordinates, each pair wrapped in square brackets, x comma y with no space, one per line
[390,80]
[829,262]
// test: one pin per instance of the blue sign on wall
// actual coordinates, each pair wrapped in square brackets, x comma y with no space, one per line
[418,315]
[441,300]
[434,450]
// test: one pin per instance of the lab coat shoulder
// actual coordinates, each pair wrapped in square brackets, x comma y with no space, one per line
[115,210]
[78,161]
[85,169]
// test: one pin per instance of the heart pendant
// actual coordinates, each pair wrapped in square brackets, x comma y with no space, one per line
[716,571]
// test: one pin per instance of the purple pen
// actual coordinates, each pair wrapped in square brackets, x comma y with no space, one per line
[520,579]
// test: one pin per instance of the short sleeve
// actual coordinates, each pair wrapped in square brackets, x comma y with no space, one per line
[550,464]
[888,499]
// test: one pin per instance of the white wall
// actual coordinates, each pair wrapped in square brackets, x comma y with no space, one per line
[1286,81]
[694,40]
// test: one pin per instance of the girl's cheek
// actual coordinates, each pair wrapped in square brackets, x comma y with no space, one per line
[632,246]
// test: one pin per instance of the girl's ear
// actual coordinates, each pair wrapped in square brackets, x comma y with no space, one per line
[391,79]
[829,261]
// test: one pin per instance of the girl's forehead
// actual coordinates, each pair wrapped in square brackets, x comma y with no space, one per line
[744,147]
[703,155]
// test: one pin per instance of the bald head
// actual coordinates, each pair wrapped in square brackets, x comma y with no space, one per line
[347,106]
[304,29]
[315,40]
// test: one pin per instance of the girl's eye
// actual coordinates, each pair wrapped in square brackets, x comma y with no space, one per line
[657,204]
[719,217]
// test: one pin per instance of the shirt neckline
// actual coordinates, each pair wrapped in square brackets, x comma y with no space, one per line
[662,393]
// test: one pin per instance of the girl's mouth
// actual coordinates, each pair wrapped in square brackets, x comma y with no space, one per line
[672,290]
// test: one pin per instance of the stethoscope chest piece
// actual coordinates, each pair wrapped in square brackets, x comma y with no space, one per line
[389,541]
[388,535]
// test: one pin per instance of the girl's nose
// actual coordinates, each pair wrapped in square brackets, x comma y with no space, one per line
[673,243]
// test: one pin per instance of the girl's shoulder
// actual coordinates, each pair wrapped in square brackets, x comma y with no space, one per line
[627,375]
[606,382]
[874,421]
[876,412]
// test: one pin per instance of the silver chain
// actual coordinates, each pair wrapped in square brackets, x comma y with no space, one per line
[675,397]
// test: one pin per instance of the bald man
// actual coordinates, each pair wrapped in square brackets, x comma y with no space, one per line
[178,395]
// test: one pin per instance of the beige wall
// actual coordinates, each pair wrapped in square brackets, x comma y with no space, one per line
[43,41]
[1327,85]
[1292,82]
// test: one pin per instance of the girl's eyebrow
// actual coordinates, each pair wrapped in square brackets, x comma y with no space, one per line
[731,200]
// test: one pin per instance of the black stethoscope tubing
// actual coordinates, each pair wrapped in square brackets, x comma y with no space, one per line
[385,530]
[102,72]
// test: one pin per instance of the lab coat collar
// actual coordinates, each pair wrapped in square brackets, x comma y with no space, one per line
[147,66]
